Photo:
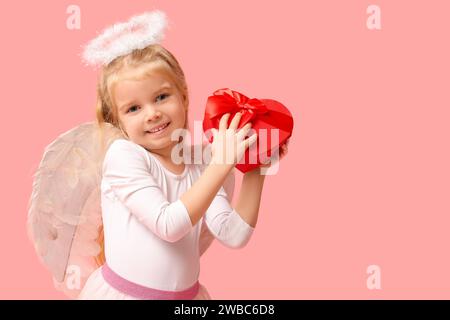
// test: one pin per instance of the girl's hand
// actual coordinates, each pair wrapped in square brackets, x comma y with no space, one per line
[230,145]
[282,153]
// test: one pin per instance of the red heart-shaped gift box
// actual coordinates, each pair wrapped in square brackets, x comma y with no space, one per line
[271,120]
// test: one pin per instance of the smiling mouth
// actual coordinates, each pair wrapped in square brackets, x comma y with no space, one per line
[159,129]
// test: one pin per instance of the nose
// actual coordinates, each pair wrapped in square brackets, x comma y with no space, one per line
[152,114]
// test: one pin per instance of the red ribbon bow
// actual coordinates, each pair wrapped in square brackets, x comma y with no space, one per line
[228,101]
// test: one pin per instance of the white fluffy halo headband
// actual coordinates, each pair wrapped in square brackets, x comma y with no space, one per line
[122,38]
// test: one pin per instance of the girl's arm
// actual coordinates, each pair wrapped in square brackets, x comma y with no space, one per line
[228,144]
[250,196]
[251,189]
[126,178]
[199,197]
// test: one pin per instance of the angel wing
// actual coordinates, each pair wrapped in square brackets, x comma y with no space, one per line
[64,214]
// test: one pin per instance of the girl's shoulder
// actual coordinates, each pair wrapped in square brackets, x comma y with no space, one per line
[122,143]
[127,147]
[122,153]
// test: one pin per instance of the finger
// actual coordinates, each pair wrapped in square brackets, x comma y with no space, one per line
[244,130]
[284,151]
[224,122]
[214,133]
[235,122]
[276,154]
[250,140]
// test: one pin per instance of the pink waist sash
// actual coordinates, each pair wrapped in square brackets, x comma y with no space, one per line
[141,292]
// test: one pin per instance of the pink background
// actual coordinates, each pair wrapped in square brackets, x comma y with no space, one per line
[367,177]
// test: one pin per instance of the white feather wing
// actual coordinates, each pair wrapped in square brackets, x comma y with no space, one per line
[64,215]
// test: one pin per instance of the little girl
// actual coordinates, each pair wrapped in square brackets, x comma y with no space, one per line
[153,208]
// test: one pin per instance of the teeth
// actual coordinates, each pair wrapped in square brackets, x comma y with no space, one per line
[159,128]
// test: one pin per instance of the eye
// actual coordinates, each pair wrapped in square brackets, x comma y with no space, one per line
[165,95]
[132,109]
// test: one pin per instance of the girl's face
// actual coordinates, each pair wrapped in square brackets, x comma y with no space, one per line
[148,105]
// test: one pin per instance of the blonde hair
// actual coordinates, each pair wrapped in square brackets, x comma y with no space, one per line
[147,60]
